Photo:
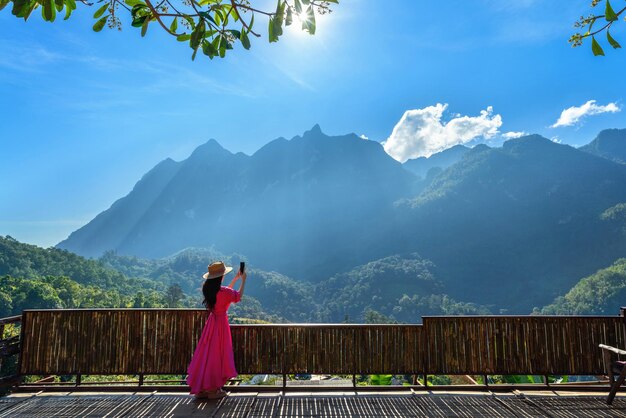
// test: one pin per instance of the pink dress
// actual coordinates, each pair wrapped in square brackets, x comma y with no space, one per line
[213,363]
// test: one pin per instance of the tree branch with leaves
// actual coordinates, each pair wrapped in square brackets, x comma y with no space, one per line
[601,23]
[210,26]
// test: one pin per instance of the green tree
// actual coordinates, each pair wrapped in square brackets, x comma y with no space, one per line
[173,296]
[595,24]
[210,26]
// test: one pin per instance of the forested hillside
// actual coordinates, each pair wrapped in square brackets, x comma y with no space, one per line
[403,288]
[602,293]
[34,277]
[269,295]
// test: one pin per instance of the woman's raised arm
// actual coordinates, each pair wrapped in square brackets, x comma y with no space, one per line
[232,283]
[243,283]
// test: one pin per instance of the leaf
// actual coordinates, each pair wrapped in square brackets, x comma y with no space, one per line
[58,5]
[289,17]
[208,49]
[27,9]
[208,16]
[270,30]
[308,24]
[101,10]
[18,5]
[197,35]
[138,21]
[174,25]
[48,11]
[609,13]
[133,3]
[278,19]
[298,6]
[245,41]
[235,33]
[97,27]
[216,43]
[3,4]
[595,47]
[70,5]
[612,41]
[183,37]
[144,27]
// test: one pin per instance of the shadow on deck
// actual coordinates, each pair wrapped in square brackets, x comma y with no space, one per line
[348,404]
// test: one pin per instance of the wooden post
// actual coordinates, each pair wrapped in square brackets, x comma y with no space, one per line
[354,381]
[284,365]
[425,380]
[140,379]
[486,379]
[79,379]
[545,380]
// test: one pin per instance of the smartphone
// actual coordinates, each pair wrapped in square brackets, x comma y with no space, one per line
[242,266]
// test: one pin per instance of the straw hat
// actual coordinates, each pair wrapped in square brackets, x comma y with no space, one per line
[217,269]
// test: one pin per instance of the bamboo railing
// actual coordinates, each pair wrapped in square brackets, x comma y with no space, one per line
[9,347]
[161,341]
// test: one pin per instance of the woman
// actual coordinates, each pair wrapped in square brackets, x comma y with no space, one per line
[213,363]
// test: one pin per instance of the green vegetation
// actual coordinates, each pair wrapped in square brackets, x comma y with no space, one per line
[595,24]
[601,293]
[36,278]
[54,292]
[29,261]
[378,292]
[212,27]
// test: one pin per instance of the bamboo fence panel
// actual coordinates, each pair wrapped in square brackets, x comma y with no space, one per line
[258,349]
[319,349]
[537,345]
[396,349]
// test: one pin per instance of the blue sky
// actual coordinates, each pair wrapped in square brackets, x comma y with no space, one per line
[85,114]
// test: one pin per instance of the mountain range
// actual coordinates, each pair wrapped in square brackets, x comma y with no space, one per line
[510,228]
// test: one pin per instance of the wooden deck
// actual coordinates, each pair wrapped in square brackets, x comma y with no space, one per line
[347,404]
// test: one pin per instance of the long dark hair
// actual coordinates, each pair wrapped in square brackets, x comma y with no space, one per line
[209,290]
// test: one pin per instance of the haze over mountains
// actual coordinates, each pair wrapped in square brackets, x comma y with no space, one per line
[510,228]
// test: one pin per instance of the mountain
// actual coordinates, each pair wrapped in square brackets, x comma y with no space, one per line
[297,206]
[610,144]
[439,161]
[507,228]
[519,223]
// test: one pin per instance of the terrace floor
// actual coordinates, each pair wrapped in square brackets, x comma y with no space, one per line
[343,404]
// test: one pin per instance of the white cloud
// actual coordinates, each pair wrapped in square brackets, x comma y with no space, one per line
[421,132]
[363,136]
[572,115]
[513,134]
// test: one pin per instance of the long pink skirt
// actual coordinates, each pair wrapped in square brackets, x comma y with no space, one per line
[213,362]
